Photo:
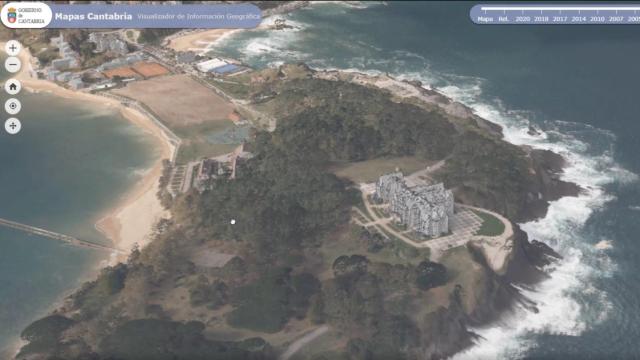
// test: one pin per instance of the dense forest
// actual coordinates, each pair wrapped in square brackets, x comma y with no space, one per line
[285,203]
[352,122]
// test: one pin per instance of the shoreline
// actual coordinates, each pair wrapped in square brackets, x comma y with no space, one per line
[139,197]
[124,223]
[197,41]
[130,220]
[138,206]
[129,209]
[201,41]
[551,163]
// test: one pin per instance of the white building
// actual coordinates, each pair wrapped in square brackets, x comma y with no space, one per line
[76,83]
[56,41]
[104,86]
[123,61]
[108,42]
[64,77]
[209,65]
[51,74]
[68,57]
[62,64]
[425,209]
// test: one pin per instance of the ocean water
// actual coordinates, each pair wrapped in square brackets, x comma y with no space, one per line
[576,83]
[70,163]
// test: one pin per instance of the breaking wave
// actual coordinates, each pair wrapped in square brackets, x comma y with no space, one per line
[567,301]
[561,309]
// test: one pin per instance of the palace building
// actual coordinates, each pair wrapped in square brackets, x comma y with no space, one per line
[424,208]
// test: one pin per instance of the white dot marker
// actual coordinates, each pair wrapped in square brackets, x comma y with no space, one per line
[233,221]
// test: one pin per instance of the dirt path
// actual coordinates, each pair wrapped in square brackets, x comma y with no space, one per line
[383,224]
[303,341]
[423,175]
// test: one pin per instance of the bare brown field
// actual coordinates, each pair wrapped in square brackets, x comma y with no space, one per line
[178,100]
[149,69]
[124,72]
[141,68]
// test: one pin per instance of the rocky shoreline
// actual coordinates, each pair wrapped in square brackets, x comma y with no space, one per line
[450,326]
[494,295]
[528,256]
[446,331]
[545,166]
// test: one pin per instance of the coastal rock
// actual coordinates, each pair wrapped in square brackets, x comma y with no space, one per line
[445,332]
[528,259]
[545,185]
[533,131]
[491,294]
[494,293]
[416,83]
[540,254]
[488,125]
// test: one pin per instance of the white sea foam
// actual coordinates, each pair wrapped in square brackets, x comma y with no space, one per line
[135,173]
[266,42]
[274,45]
[293,25]
[221,39]
[562,309]
[349,4]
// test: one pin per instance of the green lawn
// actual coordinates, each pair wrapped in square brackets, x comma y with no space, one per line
[491,225]
[196,149]
[234,88]
[196,145]
[370,170]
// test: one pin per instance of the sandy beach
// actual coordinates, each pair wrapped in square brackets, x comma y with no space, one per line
[131,221]
[198,41]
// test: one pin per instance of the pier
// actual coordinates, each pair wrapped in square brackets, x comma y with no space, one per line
[56,236]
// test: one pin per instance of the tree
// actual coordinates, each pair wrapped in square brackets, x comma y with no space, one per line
[95,295]
[44,334]
[134,255]
[353,302]
[350,265]
[167,340]
[267,303]
[46,328]
[204,292]
[303,287]
[358,349]
[430,274]
[316,310]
